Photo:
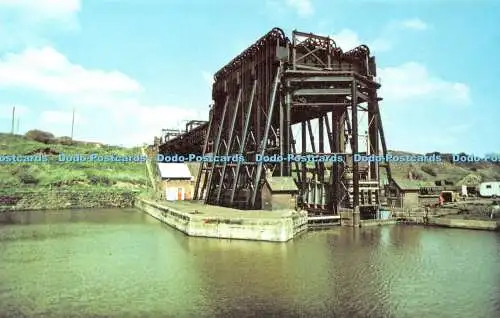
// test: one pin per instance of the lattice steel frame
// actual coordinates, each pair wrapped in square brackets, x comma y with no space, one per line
[274,84]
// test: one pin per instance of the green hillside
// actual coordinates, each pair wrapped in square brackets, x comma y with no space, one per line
[54,174]
[463,173]
[51,174]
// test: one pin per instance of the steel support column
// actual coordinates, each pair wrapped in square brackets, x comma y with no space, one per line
[201,170]
[216,149]
[355,150]
[285,82]
[229,144]
[263,144]
[244,136]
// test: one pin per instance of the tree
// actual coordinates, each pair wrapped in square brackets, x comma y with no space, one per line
[40,136]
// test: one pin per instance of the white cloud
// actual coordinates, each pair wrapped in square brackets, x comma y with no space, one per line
[61,117]
[414,24]
[105,99]
[49,71]
[43,9]
[412,81]
[151,119]
[380,45]
[347,39]
[304,8]
[26,22]
[6,111]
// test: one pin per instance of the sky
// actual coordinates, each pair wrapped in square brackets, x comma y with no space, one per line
[132,67]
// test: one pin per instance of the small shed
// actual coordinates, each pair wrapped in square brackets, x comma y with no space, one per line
[176,183]
[471,182]
[405,193]
[279,193]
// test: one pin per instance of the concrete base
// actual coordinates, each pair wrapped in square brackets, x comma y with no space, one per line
[366,223]
[465,224]
[197,219]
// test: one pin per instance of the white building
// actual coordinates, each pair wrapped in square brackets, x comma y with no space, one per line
[177,183]
[489,189]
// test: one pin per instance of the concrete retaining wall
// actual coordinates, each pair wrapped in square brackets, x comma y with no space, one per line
[280,229]
[66,199]
[365,223]
[465,224]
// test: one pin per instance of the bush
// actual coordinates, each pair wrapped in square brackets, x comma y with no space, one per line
[17,170]
[447,157]
[40,136]
[416,174]
[7,180]
[429,170]
[62,177]
[67,141]
[27,178]
[102,180]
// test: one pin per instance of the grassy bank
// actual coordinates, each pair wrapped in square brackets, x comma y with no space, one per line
[44,199]
[456,173]
[72,175]
[95,176]
[60,185]
[468,173]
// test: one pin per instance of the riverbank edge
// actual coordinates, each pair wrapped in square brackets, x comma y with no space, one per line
[484,225]
[67,199]
[279,229]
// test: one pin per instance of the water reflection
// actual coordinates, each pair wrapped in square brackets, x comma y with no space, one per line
[69,216]
[118,267]
[60,262]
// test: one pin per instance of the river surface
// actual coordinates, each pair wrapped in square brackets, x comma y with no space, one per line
[123,263]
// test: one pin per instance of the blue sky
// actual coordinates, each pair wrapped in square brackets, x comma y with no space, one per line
[132,67]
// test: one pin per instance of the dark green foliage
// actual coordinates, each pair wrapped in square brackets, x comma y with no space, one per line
[430,170]
[40,136]
[67,141]
[55,174]
[27,178]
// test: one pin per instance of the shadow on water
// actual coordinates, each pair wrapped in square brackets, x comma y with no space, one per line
[60,224]
[115,216]
[339,271]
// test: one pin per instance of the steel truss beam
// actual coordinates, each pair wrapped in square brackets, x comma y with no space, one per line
[277,83]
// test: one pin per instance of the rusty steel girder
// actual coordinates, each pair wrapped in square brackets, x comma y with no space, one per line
[278,83]
[184,142]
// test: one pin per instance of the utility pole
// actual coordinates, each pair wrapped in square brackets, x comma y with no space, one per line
[13,117]
[72,124]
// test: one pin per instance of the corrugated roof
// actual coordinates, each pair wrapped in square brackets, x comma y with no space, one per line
[169,170]
[282,184]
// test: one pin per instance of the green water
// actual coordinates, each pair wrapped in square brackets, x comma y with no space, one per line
[122,263]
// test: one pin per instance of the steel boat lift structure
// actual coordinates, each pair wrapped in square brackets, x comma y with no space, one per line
[277,84]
